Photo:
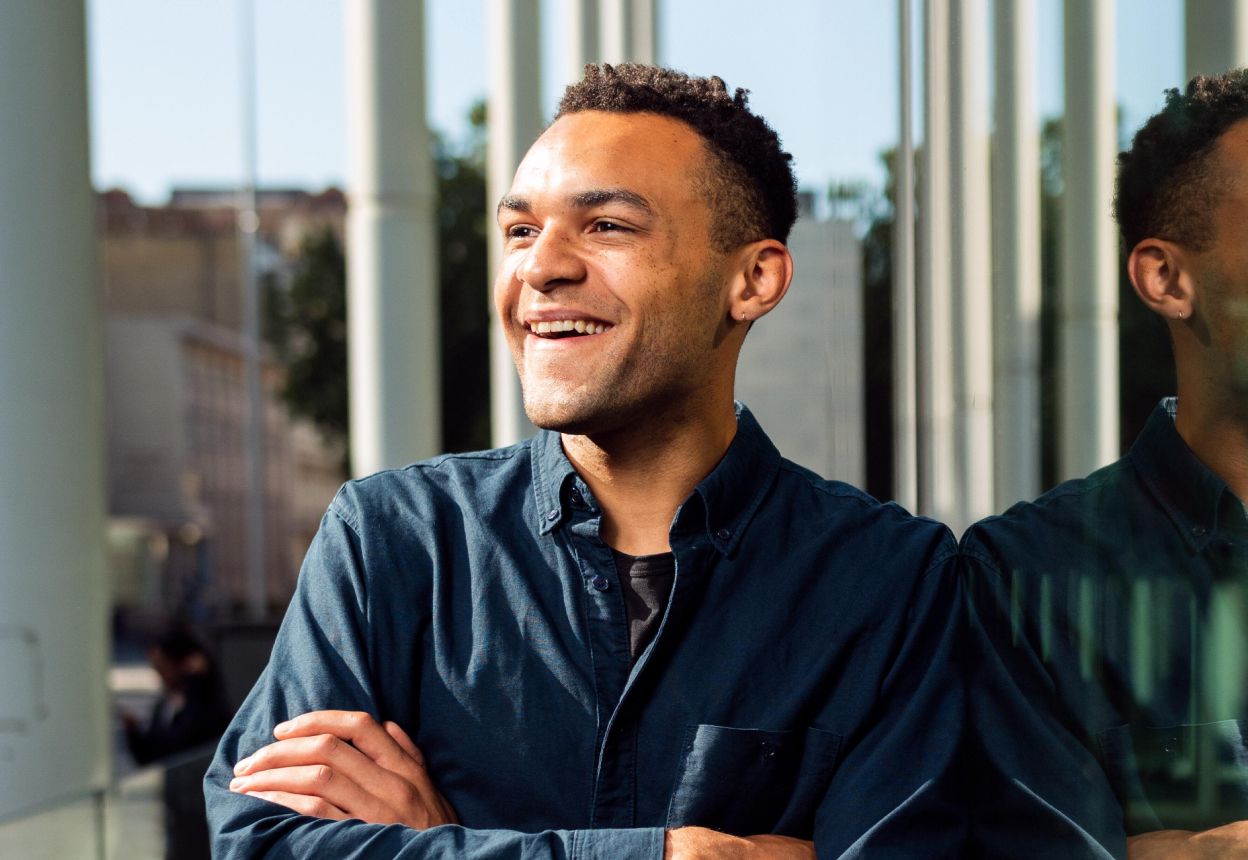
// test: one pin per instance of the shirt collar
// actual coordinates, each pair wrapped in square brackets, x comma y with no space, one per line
[1197,501]
[729,496]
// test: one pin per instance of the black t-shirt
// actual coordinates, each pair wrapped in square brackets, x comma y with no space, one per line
[646,581]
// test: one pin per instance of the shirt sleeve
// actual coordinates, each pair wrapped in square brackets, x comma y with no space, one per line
[897,793]
[320,661]
[1039,790]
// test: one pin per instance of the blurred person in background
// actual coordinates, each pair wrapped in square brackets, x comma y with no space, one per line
[641,633]
[192,709]
[1110,676]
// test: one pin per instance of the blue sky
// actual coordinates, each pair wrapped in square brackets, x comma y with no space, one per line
[165,84]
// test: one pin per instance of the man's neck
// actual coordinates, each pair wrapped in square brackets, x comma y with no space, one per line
[1218,435]
[641,475]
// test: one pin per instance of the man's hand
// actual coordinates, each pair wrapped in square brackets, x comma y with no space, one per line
[699,843]
[1229,840]
[344,764]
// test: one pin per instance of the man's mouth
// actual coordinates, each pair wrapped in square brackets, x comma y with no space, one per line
[557,329]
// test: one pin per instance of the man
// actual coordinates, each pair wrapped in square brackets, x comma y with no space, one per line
[641,633]
[1110,694]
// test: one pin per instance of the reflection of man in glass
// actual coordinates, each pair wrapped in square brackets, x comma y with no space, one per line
[642,624]
[1113,611]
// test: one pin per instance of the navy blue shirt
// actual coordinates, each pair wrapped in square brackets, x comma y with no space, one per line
[1112,660]
[801,681]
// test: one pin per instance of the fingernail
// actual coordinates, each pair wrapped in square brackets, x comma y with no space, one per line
[283,727]
[241,767]
[236,784]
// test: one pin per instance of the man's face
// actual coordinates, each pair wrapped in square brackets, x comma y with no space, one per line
[1222,276]
[604,234]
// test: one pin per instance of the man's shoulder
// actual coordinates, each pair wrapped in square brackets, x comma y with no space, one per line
[849,513]
[448,481]
[1075,517]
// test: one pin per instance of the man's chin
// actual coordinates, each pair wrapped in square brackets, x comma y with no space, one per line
[580,417]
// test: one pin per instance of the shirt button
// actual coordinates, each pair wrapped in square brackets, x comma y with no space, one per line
[1200,531]
[575,495]
[723,534]
[601,583]
[552,514]
[769,751]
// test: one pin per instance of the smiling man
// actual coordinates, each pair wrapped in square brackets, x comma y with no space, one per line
[641,633]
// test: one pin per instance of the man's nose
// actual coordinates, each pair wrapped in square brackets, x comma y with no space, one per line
[551,261]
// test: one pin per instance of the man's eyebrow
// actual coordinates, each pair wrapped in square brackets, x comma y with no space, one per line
[513,204]
[597,197]
[583,200]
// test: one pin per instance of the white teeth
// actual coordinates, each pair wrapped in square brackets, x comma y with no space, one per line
[555,326]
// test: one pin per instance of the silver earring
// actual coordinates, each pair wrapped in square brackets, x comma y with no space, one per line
[742,316]
[1180,314]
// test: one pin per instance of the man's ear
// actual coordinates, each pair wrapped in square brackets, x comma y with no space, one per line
[766,269]
[1159,272]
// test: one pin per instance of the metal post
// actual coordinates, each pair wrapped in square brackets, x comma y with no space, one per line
[54,593]
[1216,36]
[1088,315]
[515,121]
[248,221]
[645,26]
[972,260]
[392,270]
[582,48]
[938,492]
[905,442]
[1016,255]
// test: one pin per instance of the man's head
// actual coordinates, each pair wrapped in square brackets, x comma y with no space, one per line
[1182,207]
[653,213]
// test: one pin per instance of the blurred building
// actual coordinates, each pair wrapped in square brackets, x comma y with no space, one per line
[801,368]
[176,404]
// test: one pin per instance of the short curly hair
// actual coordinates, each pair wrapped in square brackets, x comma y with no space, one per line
[1168,183]
[752,186]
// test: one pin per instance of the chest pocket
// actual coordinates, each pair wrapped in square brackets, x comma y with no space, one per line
[750,781]
[1187,777]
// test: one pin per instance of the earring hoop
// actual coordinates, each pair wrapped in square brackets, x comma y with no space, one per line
[1180,314]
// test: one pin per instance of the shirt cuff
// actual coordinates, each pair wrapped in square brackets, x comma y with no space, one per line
[645,843]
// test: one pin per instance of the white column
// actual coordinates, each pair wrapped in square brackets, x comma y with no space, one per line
[582,47]
[905,439]
[938,490]
[1216,36]
[392,272]
[629,31]
[1016,255]
[515,121]
[972,260]
[54,594]
[1088,311]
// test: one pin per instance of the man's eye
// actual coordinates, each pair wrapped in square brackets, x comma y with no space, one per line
[520,231]
[609,227]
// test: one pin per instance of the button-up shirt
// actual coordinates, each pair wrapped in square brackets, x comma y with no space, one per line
[1109,688]
[801,681]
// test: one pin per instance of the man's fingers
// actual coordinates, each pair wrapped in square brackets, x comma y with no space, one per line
[317,807]
[401,738]
[313,780]
[357,727]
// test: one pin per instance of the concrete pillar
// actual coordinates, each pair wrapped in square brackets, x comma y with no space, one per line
[1016,255]
[972,260]
[54,595]
[905,438]
[938,491]
[629,31]
[392,271]
[583,27]
[1088,310]
[1215,37]
[515,121]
